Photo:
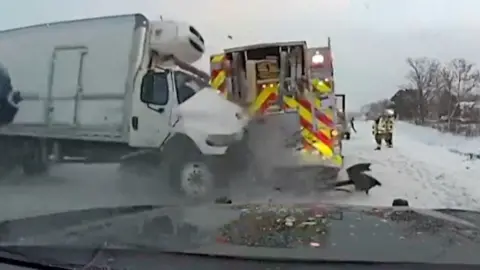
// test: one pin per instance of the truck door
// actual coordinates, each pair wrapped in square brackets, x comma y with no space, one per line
[65,85]
[152,101]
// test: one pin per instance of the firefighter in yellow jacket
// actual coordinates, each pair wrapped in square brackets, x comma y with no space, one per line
[382,129]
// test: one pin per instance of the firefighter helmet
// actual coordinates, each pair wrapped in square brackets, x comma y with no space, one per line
[389,112]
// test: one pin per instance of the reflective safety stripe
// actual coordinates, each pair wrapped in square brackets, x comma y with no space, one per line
[384,125]
[262,102]
[319,140]
[337,160]
[313,140]
[217,58]
[322,148]
[325,102]
[322,86]
[304,110]
[218,76]
[324,118]
[325,112]
[219,79]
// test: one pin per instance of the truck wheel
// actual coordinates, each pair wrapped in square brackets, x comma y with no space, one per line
[196,179]
[347,135]
[190,172]
[35,160]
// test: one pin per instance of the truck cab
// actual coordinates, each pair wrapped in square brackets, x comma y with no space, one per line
[175,109]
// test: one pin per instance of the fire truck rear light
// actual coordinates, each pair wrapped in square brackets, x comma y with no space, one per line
[334,133]
[317,59]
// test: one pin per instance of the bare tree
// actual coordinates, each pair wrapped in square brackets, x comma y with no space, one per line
[422,77]
[465,78]
[459,78]
[435,95]
[447,77]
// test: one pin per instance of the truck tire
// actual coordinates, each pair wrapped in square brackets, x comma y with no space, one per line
[191,174]
[35,159]
[347,136]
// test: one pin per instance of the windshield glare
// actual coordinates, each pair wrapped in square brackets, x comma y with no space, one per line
[348,128]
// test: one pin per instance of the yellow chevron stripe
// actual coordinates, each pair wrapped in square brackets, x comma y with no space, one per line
[321,86]
[261,99]
[306,114]
[321,147]
[219,79]
[317,144]
[217,58]
[327,111]
[337,159]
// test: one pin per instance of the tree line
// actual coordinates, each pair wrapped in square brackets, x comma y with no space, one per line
[434,91]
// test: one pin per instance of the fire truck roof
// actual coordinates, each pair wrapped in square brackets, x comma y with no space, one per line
[266,45]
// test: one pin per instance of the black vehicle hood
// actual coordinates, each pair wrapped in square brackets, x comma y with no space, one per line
[305,232]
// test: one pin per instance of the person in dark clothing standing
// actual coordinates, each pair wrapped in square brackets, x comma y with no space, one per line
[352,124]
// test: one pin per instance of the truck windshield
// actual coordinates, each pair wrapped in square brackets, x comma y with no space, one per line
[187,85]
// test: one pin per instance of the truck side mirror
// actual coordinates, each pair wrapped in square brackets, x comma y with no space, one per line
[154,89]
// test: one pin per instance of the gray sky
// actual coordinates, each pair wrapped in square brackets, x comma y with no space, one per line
[370,38]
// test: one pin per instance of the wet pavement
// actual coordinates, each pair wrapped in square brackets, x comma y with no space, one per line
[77,186]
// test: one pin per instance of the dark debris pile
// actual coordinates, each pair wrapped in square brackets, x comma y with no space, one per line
[277,227]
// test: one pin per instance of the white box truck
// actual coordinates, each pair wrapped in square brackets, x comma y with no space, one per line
[102,88]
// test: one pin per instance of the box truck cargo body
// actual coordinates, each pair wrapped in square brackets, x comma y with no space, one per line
[75,77]
[108,85]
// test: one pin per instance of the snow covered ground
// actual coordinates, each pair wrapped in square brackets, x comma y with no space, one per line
[433,137]
[421,168]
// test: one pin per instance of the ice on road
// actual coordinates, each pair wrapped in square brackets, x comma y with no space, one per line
[420,168]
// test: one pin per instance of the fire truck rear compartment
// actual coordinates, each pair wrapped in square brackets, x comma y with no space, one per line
[272,148]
